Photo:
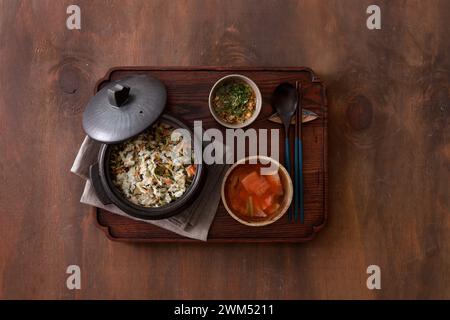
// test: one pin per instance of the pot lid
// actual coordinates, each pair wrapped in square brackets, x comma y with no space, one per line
[124,108]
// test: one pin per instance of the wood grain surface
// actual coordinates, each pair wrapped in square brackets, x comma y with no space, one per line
[187,98]
[389,146]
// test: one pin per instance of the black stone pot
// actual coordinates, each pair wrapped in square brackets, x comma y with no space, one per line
[108,193]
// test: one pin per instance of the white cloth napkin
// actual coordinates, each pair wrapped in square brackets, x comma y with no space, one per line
[193,222]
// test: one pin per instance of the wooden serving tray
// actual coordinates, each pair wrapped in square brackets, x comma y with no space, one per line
[188,90]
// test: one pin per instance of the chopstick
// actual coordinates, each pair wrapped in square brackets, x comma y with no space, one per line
[298,160]
[287,162]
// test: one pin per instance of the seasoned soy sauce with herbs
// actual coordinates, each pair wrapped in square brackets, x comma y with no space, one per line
[234,102]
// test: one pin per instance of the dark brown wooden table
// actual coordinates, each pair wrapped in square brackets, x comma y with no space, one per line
[389,146]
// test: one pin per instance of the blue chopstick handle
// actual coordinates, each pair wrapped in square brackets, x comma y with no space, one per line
[296,177]
[300,178]
[287,164]
[287,156]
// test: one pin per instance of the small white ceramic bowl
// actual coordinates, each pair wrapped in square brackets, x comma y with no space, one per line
[285,181]
[258,101]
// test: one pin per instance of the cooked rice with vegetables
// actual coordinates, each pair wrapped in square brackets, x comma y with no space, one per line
[152,169]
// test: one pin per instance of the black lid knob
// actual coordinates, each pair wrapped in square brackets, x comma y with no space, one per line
[118,95]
